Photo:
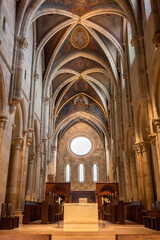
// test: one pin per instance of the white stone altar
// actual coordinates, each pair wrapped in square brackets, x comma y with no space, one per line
[80,217]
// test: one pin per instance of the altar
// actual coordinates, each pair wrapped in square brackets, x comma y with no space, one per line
[80,217]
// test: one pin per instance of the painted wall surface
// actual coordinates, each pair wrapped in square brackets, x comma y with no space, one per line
[66,157]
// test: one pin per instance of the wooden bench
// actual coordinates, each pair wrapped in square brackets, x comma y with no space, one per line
[25,237]
[152,220]
[134,212]
[32,212]
[137,237]
[7,221]
[114,212]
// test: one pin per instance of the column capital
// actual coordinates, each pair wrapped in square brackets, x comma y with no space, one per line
[38,147]
[31,158]
[3,120]
[156,39]
[136,39]
[13,104]
[17,142]
[117,98]
[22,41]
[152,138]
[45,99]
[42,171]
[53,148]
[36,76]
[142,147]
[156,123]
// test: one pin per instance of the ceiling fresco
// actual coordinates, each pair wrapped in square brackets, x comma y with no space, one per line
[78,7]
[45,24]
[81,64]
[81,102]
[84,40]
[80,86]
[76,39]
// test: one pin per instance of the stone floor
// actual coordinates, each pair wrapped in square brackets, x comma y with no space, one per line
[106,231]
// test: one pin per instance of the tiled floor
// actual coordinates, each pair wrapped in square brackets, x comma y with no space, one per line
[106,231]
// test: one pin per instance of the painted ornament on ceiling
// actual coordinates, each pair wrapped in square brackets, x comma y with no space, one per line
[81,102]
[79,37]
[80,85]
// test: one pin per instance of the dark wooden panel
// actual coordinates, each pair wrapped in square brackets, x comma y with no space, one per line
[90,195]
[61,189]
[26,237]
[137,237]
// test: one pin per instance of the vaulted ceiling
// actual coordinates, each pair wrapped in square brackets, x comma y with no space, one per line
[82,44]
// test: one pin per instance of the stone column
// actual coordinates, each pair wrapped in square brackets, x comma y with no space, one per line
[138,148]
[37,172]
[122,185]
[156,20]
[128,178]
[142,86]
[22,45]
[30,177]
[156,123]
[13,174]
[110,170]
[133,175]
[52,164]
[42,184]
[3,120]
[145,174]
[152,138]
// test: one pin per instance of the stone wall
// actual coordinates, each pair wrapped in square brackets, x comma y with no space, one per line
[65,156]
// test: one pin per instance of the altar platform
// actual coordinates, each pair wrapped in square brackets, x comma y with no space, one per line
[80,217]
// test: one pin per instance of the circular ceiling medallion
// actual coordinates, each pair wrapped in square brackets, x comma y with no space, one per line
[81,146]
[79,37]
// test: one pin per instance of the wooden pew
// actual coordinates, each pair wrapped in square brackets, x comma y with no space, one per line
[25,237]
[137,237]
[152,220]
[32,212]
[7,221]
[114,212]
[50,212]
[134,212]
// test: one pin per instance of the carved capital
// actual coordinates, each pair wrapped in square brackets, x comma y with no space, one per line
[53,148]
[38,147]
[156,39]
[3,120]
[17,142]
[152,138]
[22,42]
[31,158]
[42,171]
[156,123]
[45,99]
[136,39]
[142,147]
[117,98]
[36,76]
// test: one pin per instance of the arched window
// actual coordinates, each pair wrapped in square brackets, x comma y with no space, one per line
[68,174]
[147,5]
[81,173]
[95,173]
